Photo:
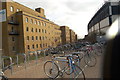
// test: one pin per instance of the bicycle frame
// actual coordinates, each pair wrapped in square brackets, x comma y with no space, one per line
[56,60]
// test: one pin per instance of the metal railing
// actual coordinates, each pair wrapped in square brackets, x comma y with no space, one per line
[24,57]
[10,62]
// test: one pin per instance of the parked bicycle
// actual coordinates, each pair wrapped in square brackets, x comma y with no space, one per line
[52,68]
[89,57]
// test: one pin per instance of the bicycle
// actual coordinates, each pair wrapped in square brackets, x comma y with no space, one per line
[70,68]
[89,57]
[98,49]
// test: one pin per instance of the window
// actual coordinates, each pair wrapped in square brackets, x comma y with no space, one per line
[28,46]
[12,29]
[39,30]
[26,19]
[38,22]
[42,31]
[36,29]
[13,48]
[27,29]
[45,31]
[35,22]
[41,45]
[36,45]
[40,37]
[11,9]
[13,39]
[31,21]
[18,10]
[43,37]
[32,38]
[44,24]
[36,38]
[32,46]
[32,30]
[27,37]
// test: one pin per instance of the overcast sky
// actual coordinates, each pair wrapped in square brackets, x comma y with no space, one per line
[73,13]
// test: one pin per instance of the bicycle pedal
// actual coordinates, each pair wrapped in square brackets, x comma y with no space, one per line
[60,74]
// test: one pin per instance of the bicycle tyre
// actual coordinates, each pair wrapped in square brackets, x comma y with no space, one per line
[90,60]
[4,78]
[99,51]
[49,65]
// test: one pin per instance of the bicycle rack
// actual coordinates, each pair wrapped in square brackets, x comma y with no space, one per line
[43,52]
[36,56]
[25,59]
[10,59]
[0,59]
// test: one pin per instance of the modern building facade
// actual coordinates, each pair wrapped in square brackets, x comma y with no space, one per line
[27,30]
[102,20]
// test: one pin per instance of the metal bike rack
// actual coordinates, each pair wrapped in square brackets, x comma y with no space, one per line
[36,56]
[10,59]
[25,59]
[44,52]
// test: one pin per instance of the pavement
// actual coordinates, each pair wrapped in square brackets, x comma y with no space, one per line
[34,70]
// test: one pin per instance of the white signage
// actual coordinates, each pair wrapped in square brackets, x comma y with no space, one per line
[3,15]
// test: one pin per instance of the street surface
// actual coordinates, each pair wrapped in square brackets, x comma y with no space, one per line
[36,71]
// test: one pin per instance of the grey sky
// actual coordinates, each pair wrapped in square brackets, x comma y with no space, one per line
[73,13]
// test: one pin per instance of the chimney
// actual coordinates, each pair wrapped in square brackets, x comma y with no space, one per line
[40,10]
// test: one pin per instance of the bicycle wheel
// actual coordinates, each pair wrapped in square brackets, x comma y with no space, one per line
[51,69]
[90,60]
[4,78]
[99,51]
[77,73]
[81,55]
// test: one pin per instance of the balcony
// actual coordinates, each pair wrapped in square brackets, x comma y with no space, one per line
[13,33]
[13,23]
